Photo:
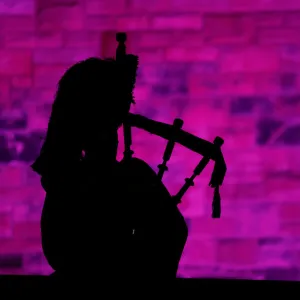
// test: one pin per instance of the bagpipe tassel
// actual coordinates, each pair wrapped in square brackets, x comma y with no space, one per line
[216,204]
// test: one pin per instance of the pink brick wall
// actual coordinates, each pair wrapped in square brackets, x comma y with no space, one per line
[227,67]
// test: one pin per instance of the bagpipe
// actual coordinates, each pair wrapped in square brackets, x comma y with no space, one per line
[175,134]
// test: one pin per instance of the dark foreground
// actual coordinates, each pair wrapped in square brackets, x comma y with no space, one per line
[44,286]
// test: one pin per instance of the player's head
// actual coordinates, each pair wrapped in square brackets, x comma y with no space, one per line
[92,100]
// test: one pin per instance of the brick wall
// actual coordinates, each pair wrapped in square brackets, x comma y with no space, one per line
[227,67]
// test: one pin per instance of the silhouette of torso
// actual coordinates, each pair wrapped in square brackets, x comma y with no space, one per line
[84,221]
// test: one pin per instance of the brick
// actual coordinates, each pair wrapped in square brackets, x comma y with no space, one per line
[215,6]
[35,211]
[269,19]
[193,39]
[48,75]
[237,251]
[206,226]
[61,17]
[31,259]
[141,93]
[179,105]
[205,67]
[8,271]
[31,39]
[187,54]
[63,56]
[13,119]
[202,86]
[11,261]
[166,38]
[15,7]
[15,62]
[284,5]
[182,22]
[200,252]
[81,39]
[21,82]
[279,185]
[290,229]
[162,89]
[267,83]
[206,54]
[244,105]
[291,19]
[43,269]
[156,6]
[258,5]
[19,97]
[133,23]
[227,29]
[11,177]
[285,110]
[26,230]
[288,274]
[270,241]
[288,81]
[4,92]
[290,56]
[42,4]
[17,23]
[154,56]
[289,211]
[198,118]
[101,24]
[244,5]
[14,246]
[276,36]
[293,162]
[44,96]
[37,121]
[7,153]
[13,195]
[176,86]
[292,100]
[290,136]
[250,59]
[237,85]
[248,157]
[25,39]
[31,143]
[265,128]
[173,71]
[103,7]
[156,39]
[297,258]
[20,212]
[48,39]
[265,223]
[247,105]
[5,224]
[5,208]
[249,191]
[275,171]
[281,195]
[149,73]
[245,139]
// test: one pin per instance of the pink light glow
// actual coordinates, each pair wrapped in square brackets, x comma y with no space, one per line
[232,75]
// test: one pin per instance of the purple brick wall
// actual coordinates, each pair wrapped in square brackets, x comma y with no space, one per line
[227,67]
